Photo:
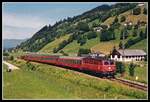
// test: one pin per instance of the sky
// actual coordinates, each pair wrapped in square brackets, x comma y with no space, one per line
[20,20]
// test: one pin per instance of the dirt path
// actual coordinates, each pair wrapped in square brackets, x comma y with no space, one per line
[10,66]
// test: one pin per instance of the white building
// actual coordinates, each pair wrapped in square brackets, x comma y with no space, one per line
[98,29]
[128,55]
[140,4]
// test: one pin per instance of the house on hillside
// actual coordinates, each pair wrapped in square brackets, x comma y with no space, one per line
[140,4]
[97,29]
[128,55]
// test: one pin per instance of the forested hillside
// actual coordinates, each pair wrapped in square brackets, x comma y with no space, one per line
[92,30]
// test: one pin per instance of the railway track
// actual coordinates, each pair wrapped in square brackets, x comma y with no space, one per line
[131,83]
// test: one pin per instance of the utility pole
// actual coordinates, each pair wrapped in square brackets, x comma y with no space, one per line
[123,57]
[123,41]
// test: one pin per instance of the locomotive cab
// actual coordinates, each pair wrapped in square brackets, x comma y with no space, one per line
[109,67]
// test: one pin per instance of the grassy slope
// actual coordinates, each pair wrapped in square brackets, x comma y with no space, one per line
[50,46]
[94,44]
[141,72]
[51,82]
[106,47]
[74,46]
[140,45]
[129,17]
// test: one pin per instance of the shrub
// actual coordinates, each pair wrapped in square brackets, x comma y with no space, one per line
[135,33]
[116,20]
[30,66]
[136,11]
[125,34]
[65,54]
[145,11]
[120,67]
[5,54]
[120,45]
[122,19]
[91,35]
[132,69]
[11,57]
[83,51]
[107,35]
[83,26]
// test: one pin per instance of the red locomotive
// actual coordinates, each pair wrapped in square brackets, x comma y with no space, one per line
[101,66]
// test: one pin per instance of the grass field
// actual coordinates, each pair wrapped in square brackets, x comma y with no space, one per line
[129,17]
[54,83]
[50,46]
[74,46]
[140,45]
[105,47]
[141,72]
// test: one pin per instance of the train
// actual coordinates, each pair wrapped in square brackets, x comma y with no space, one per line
[100,66]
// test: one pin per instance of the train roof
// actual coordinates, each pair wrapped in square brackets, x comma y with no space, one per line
[43,55]
[71,57]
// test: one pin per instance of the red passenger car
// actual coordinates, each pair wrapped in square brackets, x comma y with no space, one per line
[100,66]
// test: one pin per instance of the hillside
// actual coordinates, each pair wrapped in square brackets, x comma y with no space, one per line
[129,17]
[140,45]
[75,31]
[50,46]
[96,46]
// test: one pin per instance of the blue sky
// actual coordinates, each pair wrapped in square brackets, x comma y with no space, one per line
[22,20]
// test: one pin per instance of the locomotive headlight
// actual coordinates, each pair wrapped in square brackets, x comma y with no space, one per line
[109,68]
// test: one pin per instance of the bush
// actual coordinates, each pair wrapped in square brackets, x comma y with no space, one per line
[116,20]
[81,40]
[107,35]
[135,33]
[145,11]
[143,35]
[136,11]
[136,26]
[129,27]
[11,57]
[120,45]
[129,43]
[83,26]
[91,35]
[122,19]
[65,54]
[5,54]
[132,41]
[30,66]
[104,26]
[55,50]
[120,67]
[125,34]
[83,51]
[132,69]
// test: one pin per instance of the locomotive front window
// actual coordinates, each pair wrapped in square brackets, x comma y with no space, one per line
[111,62]
[106,63]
